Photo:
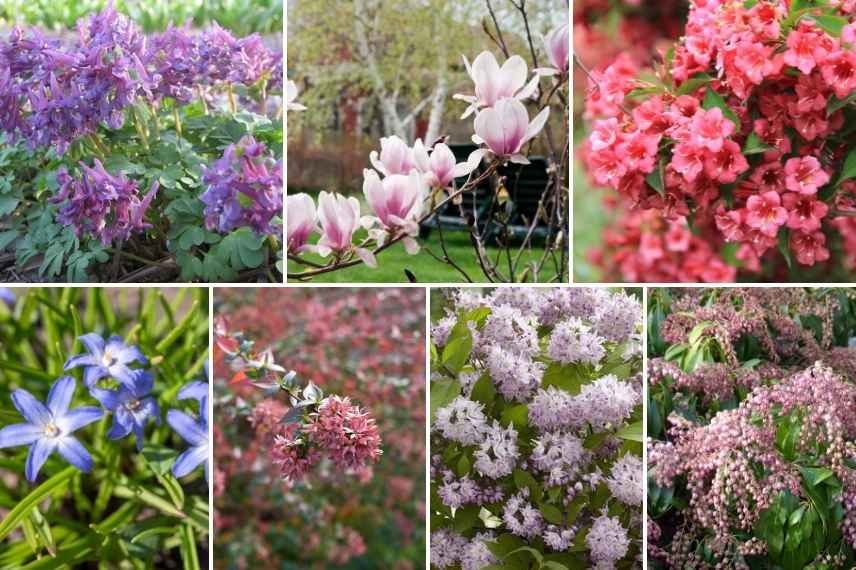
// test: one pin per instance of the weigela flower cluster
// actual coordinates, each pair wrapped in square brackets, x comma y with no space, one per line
[742,136]
[531,443]
[749,401]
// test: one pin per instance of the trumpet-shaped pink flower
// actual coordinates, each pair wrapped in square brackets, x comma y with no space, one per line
[300,221]
[494,83]
[839,71]
[710,128]
[395,157]
[557,47]
[765,213]
[439,169]
[396,200]
[804,175]
[809,247]
[505,128]
[805,211]
[339,218]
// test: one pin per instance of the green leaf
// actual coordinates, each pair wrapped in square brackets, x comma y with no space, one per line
[457,351]
[713,99]
[814,476]
[784,245]
[537,556]
[466,517]
[517,415]
[568,377]
[179,331]
[52,485]
[693,83]
[830,24]
[7,237]
[484,390]
[43,530]
[552,514]
[655,180]
[148,497]
[188,547]
[633,432]
[834,105]
[442,393]
[849,170]
[755,145]
[523,480]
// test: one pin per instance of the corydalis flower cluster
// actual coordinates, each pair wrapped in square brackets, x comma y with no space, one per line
[101,205]
[244,188]
[522,334]
[52,94]
[341,431]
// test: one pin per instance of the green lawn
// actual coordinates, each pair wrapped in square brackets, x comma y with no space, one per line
[589,221]
[393,261]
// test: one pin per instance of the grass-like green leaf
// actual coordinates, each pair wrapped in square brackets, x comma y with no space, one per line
[43,491]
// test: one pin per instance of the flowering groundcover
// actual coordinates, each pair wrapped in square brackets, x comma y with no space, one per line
[752,428]
[536,430]
[103,427]
[320,438]
[140,157]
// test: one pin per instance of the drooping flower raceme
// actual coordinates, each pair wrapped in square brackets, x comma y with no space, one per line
[194,432]
[244,189]
[102,205]
[107,359]
[49,428]
[132,406]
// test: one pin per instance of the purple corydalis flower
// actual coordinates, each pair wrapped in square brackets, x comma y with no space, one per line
[300,221]
[131,406]
[493,83]
[505,128]
[49,428]
[105,206]
[244,189]
[196,434]
[110,359]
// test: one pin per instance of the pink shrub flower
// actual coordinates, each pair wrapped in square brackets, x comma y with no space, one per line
[765,213]
[805,48]
[494,83]
[505,128]
[346,433]
[809,247]
[300,221]
[709,129]
[804,175]
[839,71]
[805,211]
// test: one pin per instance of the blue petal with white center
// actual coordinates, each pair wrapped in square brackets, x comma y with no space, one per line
[110,359]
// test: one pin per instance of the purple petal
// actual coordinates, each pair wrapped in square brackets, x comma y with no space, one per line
[195,389]
[186,427]
[74,452]
[143,383]
[19,434]
[39,453]
[189,460]
[80,360]
[108,398]
[79,417]
[203,412]
[121,425]
[60,396]
[124,375]
[93,343]
[33,411]
[93,374]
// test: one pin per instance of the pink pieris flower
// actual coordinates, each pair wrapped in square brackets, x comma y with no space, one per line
[396,201]
[804,175]
[395,157]
[290,96]
[505,128]
[300,221]
[340,218]
[556,44]
[439,169]
[765,213]
[710,128]
[494,83]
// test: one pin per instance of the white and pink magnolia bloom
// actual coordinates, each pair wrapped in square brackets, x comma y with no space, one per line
[395,157]
[440,169]
[300,221]
[290,96]
[505,128]
[557,47]
[397,203]
[493,82]
[340,218]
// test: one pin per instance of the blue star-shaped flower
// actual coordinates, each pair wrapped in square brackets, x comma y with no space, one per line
[131,407]
[196,434]
[7,296]
[49,428]
[106,360]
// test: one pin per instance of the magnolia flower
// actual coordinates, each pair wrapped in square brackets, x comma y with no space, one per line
[340,218]
[49,428]
[556,44]
[505,128]
[290,96]
[299,221]
[439,169]
[395,157]
[396,201]
[493,83]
